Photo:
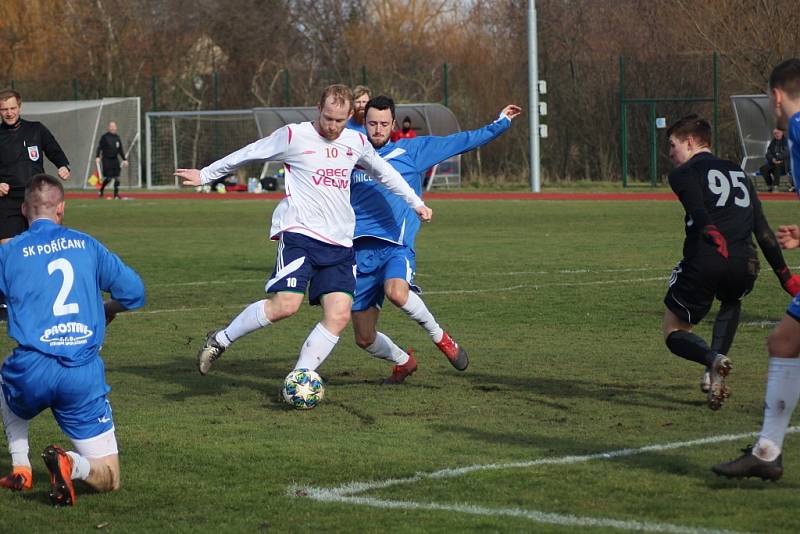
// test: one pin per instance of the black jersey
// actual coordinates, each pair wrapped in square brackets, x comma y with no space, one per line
[716,191]
[22,151]
[110,147]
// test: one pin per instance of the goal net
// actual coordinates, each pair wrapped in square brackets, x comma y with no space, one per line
[78,125]
[195,139]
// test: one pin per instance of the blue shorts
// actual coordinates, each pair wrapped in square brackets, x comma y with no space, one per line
[378,261]
[302,260]
[794,308]
[77,396]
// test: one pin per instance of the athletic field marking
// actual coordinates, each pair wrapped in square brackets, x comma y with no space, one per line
[504,273]
[761,324]
[347,493]
[442,292]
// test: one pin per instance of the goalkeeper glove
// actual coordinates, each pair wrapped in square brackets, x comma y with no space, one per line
[790,282]
[713,236]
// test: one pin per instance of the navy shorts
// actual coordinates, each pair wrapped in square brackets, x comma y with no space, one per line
[304,262]
[378,261]
[695,284]
[77,396]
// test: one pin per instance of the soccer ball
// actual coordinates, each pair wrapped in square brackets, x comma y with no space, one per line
[303,389]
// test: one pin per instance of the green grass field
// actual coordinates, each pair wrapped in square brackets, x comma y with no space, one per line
[559,306]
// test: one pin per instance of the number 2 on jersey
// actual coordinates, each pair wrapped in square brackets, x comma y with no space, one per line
[719,184]
[60,306]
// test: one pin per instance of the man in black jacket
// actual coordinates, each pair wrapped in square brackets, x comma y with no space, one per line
[22,143]
[110,147]
[776,156]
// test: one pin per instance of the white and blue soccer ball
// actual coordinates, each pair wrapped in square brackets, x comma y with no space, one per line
[303,389]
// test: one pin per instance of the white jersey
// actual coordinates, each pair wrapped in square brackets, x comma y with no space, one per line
[317,201]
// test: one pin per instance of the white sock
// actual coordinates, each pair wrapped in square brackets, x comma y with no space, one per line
[385,349]
[317,346]
[783,390]
[16,429]
[252,318]
[80,466]
[416,309]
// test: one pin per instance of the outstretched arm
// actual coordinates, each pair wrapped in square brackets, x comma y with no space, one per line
[270,148]
[434,149]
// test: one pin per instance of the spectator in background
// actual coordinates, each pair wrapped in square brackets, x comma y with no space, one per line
[776,156]
[110,147]
[406,133]
[361,95]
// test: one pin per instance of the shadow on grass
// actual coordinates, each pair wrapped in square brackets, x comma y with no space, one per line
[554,389]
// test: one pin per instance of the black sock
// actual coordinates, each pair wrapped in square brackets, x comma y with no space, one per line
[691,347]
[725,326]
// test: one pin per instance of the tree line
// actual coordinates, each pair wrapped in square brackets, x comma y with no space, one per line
[206,54]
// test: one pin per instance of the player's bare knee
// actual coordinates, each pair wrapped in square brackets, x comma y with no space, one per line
[779,344]
[337,320]
[397,296]
[365,339]
[280,308]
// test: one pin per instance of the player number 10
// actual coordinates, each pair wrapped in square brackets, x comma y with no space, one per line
[719,184]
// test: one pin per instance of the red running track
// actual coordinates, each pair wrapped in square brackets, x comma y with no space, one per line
[663,196]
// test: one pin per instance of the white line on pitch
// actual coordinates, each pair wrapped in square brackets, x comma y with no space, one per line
[540,286]
[346,492]
[761,324]
[443,292]
[577,270]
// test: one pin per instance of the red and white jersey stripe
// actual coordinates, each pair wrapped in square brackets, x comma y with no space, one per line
[317,201]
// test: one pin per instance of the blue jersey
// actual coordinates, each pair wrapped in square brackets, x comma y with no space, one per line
[52,277]
[378,212]
[353,125]
[794,149]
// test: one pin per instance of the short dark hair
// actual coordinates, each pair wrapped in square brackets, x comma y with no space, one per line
[380,103]
[37,185]
[692,126]
[786,77]
[5,94]
[407,119]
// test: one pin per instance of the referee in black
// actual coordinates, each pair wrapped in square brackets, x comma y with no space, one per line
[22,145]
[110,148]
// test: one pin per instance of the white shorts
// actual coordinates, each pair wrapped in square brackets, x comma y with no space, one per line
[103,445]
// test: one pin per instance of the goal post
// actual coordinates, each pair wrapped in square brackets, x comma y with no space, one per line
[78,125]
[194,139]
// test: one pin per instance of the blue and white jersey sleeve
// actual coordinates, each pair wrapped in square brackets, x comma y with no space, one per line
[52,277]
[428,151]
[794,150]
[270,148]
[383,216]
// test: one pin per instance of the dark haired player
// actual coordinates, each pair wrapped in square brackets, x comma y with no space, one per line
[765,458]
[719,258]
[386,230]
